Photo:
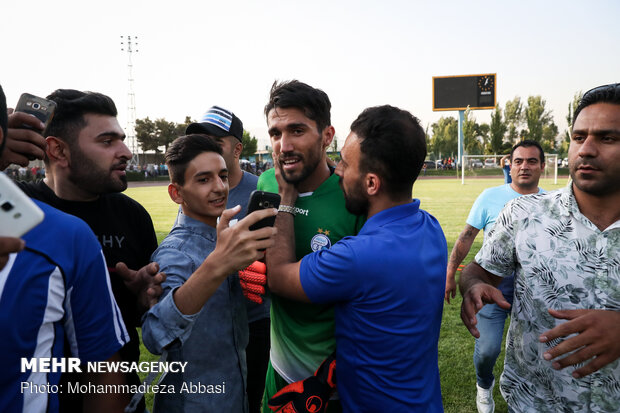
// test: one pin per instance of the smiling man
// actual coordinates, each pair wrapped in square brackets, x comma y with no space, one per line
[85,174]
[527,163]
[563,342]
[201,318]
[299,122]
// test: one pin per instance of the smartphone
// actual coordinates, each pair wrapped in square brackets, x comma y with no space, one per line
[18,213]
[42,109]
[263,200]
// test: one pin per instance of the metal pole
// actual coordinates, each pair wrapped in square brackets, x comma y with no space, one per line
[130,129]
[460,154]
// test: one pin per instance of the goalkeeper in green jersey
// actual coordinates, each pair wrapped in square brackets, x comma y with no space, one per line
[299,122]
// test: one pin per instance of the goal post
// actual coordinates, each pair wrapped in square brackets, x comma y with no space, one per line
[474,164]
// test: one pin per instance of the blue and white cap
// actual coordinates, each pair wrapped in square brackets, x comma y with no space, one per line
[218,122]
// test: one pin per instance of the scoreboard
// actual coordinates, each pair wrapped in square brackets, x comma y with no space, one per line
[459,92]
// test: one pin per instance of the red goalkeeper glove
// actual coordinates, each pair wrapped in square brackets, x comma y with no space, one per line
[310,395]
[253,280]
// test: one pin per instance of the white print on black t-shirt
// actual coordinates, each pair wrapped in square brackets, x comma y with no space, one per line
[111,241]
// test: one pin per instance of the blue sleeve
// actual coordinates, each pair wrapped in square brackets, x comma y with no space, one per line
[94,326]
[478,216]
[164,323]
[328,275]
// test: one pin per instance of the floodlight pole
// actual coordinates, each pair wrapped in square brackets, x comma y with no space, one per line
[460,153]
[130,129]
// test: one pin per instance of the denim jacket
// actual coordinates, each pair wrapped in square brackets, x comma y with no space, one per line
[212,341]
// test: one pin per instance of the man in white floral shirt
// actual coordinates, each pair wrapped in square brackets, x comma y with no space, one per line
[563,345]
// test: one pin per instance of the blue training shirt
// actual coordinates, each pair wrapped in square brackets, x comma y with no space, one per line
[388,285]
[54,292]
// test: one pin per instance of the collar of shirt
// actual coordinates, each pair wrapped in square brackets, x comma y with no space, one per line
[391,214]
[200,227]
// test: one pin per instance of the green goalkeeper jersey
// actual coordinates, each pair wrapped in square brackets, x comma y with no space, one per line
[302,334]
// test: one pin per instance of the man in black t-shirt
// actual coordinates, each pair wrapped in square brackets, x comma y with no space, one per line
[85,173]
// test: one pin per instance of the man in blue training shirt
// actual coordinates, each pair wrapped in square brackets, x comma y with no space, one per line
[387,283]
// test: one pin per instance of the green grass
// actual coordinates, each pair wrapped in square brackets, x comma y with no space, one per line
[449,202]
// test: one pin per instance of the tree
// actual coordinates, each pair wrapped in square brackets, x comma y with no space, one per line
[482,135]
[569,120]
[497,131]
[166,132]
[540,125]
[181,127]
[445,136]
[153,135]
[513,113]
[471,144]
[145,134]
[249,145]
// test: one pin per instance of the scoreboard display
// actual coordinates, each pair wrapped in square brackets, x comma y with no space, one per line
[459,92]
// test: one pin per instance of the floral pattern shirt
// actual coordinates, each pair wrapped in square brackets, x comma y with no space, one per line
[562,261]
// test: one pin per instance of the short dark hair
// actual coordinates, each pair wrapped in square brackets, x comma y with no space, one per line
[526,143]
[392,145]
[314,103]
[71,107]
[183,150]
[601,94]
[4,119]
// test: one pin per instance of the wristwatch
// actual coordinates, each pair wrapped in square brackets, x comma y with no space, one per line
[287,208]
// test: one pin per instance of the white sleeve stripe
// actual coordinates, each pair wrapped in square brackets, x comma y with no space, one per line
[54,312]
[70,325]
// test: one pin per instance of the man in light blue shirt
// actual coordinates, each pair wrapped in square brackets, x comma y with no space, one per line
[527,161]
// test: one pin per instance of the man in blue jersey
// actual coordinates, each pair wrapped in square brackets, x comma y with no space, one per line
[386,283]
[527,161]
[55,294]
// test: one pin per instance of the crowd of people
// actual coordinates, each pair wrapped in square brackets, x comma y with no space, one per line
[338,306]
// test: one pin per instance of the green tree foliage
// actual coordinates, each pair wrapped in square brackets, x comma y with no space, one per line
[497,131]
[569,120]
[445,136]
[471,144]
[513,113]
[482,134]
[145,134]
[181,127]
[540,125]
[250,144]
[166,132]
[152,135]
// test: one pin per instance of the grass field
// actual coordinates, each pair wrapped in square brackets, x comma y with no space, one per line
[449,202]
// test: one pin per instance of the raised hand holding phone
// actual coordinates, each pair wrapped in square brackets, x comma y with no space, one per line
[18,213]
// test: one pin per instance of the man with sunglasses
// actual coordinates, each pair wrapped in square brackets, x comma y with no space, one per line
[563,342]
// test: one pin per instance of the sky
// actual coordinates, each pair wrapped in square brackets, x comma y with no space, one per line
[195,54]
